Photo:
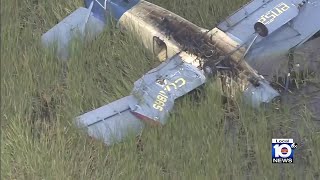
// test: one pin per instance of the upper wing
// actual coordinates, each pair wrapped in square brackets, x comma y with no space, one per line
[289,24]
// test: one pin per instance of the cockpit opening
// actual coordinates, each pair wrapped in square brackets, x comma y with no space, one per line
[160,48]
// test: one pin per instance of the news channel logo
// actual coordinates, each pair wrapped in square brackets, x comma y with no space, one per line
[283,150]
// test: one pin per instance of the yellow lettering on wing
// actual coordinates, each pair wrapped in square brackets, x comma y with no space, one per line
[159,103]
[180,80]
[162,98]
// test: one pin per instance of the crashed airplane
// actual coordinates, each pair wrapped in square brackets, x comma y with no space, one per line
[255,40]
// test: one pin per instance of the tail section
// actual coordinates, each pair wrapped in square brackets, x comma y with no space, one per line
[80,24]
[85,23]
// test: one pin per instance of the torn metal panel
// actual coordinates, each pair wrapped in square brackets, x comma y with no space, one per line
[157,89]
[261,94]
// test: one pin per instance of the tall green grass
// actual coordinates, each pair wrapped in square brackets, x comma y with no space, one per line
[40,96]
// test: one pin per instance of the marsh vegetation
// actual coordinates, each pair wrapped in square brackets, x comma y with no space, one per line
[203,139]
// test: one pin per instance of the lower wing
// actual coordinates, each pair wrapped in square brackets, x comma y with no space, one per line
[151,101]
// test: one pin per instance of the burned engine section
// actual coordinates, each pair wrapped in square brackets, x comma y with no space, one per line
[192,39]
[167,34]
[153,23]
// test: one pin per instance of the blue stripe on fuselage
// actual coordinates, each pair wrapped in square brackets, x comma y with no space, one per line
[97,10]
[102,8]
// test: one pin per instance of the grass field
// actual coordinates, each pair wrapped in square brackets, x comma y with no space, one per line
[40,96]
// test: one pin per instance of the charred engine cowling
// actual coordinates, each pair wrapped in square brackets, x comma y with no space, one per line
[163,31]
[194,40]
[191,40]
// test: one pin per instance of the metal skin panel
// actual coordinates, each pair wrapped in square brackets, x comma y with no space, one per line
[104,112]
[112,122]
[268,55]
[268,12]
[84,23]
[157,89]
[241,14]
[117,128]
[269,22]
[80,24]
[257,95]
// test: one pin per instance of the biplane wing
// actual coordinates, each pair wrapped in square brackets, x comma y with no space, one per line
[288,23]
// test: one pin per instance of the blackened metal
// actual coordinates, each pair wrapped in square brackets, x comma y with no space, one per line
[193,40]
[188,36]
